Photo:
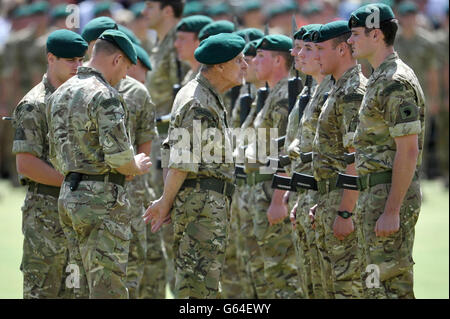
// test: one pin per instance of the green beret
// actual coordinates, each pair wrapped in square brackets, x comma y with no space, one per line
[312,8]
[119,39]
[299,35]
[60,11]
[221,8]
[219,48]
[278,9]
[66,44]
[330,30]
[251,6]
[275,42]
[193,23]
[216,27]
[130,34]
[40,7]
[22,11]
[193,7]
[250,48]
[97,26]
[101,7]
[407,7]
[142,56]
[138,8]
[359,16]
[307,37]
[250,34]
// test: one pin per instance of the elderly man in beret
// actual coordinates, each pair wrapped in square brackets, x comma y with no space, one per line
[335,226]
[197,191]
[90,146]
[389,144]
[275,259]
[45,252]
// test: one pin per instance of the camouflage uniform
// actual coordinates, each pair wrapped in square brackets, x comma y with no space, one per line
[160,83]
[335,129]
[141,125]
[235,114]
[307,253]
[45,253]
[88,135]
[393,106]
[190,75]
[200,217]
[275,242]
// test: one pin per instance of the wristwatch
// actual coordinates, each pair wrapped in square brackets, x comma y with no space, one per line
[344,214]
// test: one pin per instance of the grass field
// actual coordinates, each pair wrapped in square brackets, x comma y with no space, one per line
[431,248]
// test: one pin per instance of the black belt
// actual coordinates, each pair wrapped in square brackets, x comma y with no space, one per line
[212,184]
[303,181]
[75,178]
[365,181]
[306,157]
[44,189]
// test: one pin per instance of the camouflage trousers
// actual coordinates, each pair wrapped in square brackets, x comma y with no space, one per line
[275,242]
[153,281]
[96,221]
[235,282]
[137,193]
[339,259]
[200,221]
[306,249]
[391,256]
[45,255]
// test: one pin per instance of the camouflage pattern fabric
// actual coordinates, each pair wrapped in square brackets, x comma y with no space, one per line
[200,218]
[190,75]
[88,135]
[334,136]
[394,106]
[45,254]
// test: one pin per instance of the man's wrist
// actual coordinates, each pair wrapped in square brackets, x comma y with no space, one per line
[344,214]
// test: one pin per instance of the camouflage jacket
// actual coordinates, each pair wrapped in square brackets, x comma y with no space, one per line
[30,122]
[337,124]
[393,106]
[198,101]
[87,119]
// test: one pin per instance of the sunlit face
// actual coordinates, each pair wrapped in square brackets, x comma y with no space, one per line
[308,64]
[298,45]
[235,70]
[138,72]
[251,72]
[154,14]
[361,43]
[263,62]
[185,44]
[64,68]
[325,55]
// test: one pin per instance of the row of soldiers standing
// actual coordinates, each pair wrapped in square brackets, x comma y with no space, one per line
[271,258]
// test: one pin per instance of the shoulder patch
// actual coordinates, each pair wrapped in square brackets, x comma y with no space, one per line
[19,135]
[407,112]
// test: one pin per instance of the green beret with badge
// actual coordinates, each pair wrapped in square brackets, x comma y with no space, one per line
[216,27]
[142,56]
[130,34]
[250,48]
[299,35]
[97,26]
[307,37]
[330,31]
[407,7]
[194,23]
[66,44]
[275,42]
[121,41]
[250,34]
[219,48]
[359,16]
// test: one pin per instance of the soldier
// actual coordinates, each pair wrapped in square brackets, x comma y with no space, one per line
[90,146]
[270,225]
[388,142]
[141,127]
[139,25]
[94,28]
[198,191]
[45,254]
[251,14]
[162,16]
[187,41]
[306,248]
[335,235]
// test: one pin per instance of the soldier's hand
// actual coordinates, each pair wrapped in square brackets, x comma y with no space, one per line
[312,216]
[157,214]
[293,215]
[276,213]
[342,227]
[387,224]
[143,163]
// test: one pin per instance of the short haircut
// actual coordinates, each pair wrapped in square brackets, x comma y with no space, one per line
[104,47]
[389,29]
[177,7]
[288,58]
[342,38]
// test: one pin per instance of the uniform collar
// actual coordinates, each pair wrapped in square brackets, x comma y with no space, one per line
[48,86]
[389,59]
[86,70]
[347,74]
[204,81]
